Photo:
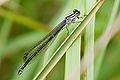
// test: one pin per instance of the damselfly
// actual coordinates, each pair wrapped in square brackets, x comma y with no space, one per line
[41,45]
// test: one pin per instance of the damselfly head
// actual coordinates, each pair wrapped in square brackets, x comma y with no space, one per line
[75,11]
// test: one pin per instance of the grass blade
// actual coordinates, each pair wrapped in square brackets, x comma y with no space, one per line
[100,49]
[23,20]
[5,29]
[72,57]
[89,42]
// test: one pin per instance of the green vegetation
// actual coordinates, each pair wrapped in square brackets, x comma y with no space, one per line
[88,52]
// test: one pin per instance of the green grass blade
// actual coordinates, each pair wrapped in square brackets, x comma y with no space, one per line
[89,42]
[5,29]
[72,57]
[100,52]
[73,60]
[67,43]
[23,20]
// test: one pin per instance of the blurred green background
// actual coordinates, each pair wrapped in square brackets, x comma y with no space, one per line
[24,22]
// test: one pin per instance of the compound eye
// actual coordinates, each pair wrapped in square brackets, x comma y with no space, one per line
[74,10]
[77,12]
